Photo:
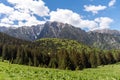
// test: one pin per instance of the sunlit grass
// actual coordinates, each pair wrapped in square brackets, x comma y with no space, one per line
[20,72]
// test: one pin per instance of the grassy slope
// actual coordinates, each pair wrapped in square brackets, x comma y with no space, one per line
[20,72]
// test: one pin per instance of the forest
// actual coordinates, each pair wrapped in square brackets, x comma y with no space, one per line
[55,53]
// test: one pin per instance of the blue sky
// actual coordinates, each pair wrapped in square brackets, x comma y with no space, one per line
[86,14]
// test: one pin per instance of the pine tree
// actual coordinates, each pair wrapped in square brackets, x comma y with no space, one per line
[79,60]
[99,59]
[1,46]
[93,60]
[110,58]
[84,60]
[4,53]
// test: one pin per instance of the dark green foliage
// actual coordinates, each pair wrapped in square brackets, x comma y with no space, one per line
[93,60]
[78,61]
[84,60]
[56,53]
[8,40]
[53,61]
[110,58]
[4,53]
[99,59]
[1,49]
[62,58]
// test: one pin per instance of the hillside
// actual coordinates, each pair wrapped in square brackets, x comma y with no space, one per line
[108,31]
[25,32]
[63,31]
[58,53]
[20,72]
[103,39]
[55,44]
[49,30]
[6,39]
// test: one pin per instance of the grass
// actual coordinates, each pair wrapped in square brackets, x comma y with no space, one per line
[20,72]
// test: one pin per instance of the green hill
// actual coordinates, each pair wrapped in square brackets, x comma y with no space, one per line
[55,44]
[57,53]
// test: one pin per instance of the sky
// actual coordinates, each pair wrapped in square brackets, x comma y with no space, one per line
[85,14]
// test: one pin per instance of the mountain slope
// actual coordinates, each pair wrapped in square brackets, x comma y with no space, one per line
[108,31]
[50,30]
[26,33]
[65,31]
[104,40]
[6,39]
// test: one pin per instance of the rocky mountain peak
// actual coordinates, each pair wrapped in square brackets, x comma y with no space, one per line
[103,39]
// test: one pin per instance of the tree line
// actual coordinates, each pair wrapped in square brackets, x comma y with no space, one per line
[71,59]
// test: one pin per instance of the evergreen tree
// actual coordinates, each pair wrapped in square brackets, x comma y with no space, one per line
[4,53]
[110,58]
[84,60]
[99,59]
[93,60]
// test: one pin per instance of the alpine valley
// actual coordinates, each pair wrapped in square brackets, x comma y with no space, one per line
[103,39]
[60,46]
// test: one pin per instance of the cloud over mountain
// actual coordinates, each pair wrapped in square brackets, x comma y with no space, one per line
[31,12]
[70,17]
[66,16]
[22,13]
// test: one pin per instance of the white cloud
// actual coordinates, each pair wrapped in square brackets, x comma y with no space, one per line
[103,22]
[111,3]
[7,21]
[70,17]
[90,24]
[33,6]
[94,9]
[31,21]
[65,16]
[5,9]
[23,11]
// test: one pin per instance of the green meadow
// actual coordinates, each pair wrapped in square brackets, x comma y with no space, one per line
[21,72]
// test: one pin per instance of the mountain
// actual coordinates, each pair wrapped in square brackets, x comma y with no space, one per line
[9,40]
[65,31]
[49,30]
[3,29]
[103,39]
[108,31]
[25,32]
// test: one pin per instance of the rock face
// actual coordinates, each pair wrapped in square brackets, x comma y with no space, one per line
[103,39]
[3,29]
[108,31]
[66,31]
[49,30]
[26,33]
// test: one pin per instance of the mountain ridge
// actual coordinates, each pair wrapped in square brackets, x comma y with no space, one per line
[108,31]
[103,39]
